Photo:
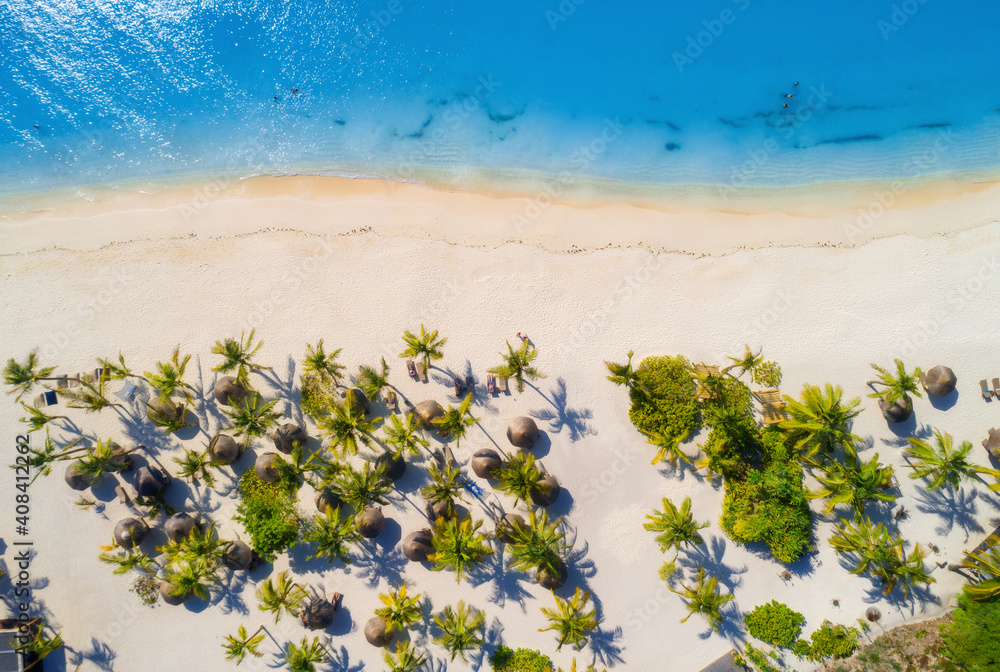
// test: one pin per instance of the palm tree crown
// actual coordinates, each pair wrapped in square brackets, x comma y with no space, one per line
[622,374]
[820,423]
[746,363]
[896,386]
[372,381]
[537,545]
[704,598]
[456,421]
[404,658]
[23,377]
[944,465]
[323,364]
[878,552]
[404,436]
[426,346]
[854,484]
[517,364]
[985,563]
[304,656]
[169,376]
[400,611]
[237,356]
[460,628]
[571,620]
[676,527]
[281,595]
[241,644]
[253,417]
[332,533]
[458,545]
[347,426]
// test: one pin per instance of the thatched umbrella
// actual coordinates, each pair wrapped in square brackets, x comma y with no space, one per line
[227,388]
[394,466]
[150,481]
[223,448]
[377,633]
[900,411]
[522,432]
[418,545]
[550,581]
[992,443]
[371,522]
[360,400]
[428,411]
[167,593]
[486,462]
[319,612]
[506,526]
[873,614]
[179,526]
[76,478]
[167,409]
[328,498]
[547,491]
[442,509]
[264,466]
[237,555]
[289,434]
[939,381]
[129,532]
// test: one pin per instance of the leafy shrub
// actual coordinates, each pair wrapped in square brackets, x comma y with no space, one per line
[663,398]
[317,394]
[505,659]
[767,374]
[800,648]
[973,638]
[774,623]
[731,396]
[760,660]
[268,515]
[838,641]
[147,588]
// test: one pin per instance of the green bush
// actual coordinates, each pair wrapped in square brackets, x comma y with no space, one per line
[268,515]
[838,641]
[318,394]
[774,623]
[505,659]
[663,398]
[800,648]
[767,374]
[760,660]
[973,638]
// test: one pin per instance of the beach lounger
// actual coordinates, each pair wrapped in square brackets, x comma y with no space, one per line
[490,384]
[704,370]
[996,386]
[502,383]
[458,387]
[46,399]
[411,369]
[772,406]
[470,384]
[422,373]
[987,393]
[391,402]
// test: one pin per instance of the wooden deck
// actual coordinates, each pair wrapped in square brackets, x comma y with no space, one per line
[724,664]
[703,370]
[772,406]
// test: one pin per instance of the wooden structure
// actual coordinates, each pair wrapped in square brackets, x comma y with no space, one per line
[704,370]
[772,406]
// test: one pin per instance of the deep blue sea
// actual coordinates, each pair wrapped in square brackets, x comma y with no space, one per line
[671,92]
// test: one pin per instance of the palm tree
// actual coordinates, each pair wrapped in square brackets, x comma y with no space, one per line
[253,417]
[40,460]
[878,552]
[372,381]
[114,371]
[281,596]
[710,381]
[40,644]
[238,646]
[820,423]
[446,484]
[668,448]
[676,527]
[303,657]
[404,437]
[945,465]
[570,620]
[855,483]
[456,421]
[426,346]
[127,560]
[192,577]
[197,466]
[362,488]
[198,545]
[623,374]
[90,395]
[703,598]
[168,415]
[37,418]
[537,545]
[332,534]
[517,364]
[347,426]
[400,611]
[169,377]
[985,563]
[458,545]
[106,456]
[323,364]
[23,377]
[896,387]
[404,659]
[747,363]
[460,628]
[236,356]
[519,476]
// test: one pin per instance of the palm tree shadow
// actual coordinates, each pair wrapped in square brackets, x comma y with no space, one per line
[918,594]
[98,654]
[575,421]
[375,563]
[340,660]
[605,645]
[954,507]
[230,600]
[505,582]
[710,556]
[902,440]
[142,432]
[492,638]
[287,390]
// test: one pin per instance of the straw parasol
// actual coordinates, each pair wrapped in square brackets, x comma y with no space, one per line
[328,498]
[377,633]
[76,478]
[227,388]
[264,466]
[223,448]
[550,581]
[992,443]
[168,409]
[167,593]
[319,613]
[371,522]
[522,432]
[179,526]
[900,411]
[360,400]
[547,491]
[428,411]
[506,526]
[394,467]
[939,381]
[418,545]
[486,462]
[150,481]
[237,555]
[289,434]
[129,532]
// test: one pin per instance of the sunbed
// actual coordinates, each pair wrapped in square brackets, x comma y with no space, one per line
[490,386]
[987,393]
[502,383]
[422,373]
[411,369]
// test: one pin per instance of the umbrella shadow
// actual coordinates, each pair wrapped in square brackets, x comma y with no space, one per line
[505,583]
[904,429]
[945,402]
[561,416]
[954,507]
[375,564]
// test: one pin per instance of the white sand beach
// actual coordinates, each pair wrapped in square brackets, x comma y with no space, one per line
[824,289]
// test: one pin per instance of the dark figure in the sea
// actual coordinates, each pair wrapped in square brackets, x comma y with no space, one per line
[784,104]
[789,95]
[796,84]
[294,91]
[275,99]
[36,127]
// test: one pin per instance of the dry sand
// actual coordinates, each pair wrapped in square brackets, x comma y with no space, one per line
[358,267]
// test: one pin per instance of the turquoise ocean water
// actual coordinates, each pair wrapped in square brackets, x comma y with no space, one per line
[663,92]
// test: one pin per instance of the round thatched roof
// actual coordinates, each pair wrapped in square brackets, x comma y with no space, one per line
[226,388]
[506,526]
[371,522]
[129,532]
[427,412]
[286,436]
[376,633]
[328,498]
[551,581]
[75,477]
[939,381]
[179,526]
[900,411]
[486,462]
[166,593]
[264,466]
[360,400]
[318,614]
[150,481]
[418,545]
[873,614]
[547,491]
[443,509]
[223,448]
[168,409]
[522,432]
[992,443]
[237,555]
[394,466]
